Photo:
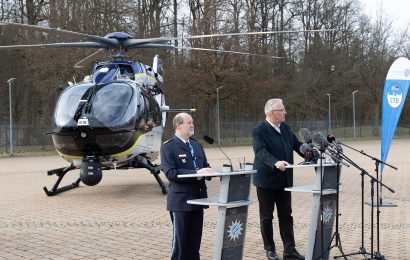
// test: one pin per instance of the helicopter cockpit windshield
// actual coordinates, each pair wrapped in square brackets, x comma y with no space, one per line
[111,105]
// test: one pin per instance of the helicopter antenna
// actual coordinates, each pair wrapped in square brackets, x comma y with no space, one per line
[81,63]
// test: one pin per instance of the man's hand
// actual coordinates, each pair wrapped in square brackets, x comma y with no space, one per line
[206,170]
[281,165]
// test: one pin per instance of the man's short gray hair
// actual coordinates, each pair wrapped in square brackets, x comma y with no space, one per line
[269,106]
[178,120]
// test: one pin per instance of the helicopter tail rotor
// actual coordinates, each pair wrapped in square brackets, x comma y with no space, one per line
[157,65]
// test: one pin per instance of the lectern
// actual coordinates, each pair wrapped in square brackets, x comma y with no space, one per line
[324,191]
[232,202]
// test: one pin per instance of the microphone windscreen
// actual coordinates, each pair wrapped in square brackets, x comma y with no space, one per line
[331,138]
[320,140]
[305,134]
[304,148]
[208,139]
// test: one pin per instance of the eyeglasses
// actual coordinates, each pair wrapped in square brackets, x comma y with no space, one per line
[279,110]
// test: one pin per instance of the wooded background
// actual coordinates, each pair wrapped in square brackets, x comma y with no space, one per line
[356,56]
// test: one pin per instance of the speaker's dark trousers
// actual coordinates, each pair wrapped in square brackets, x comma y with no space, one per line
[268,198]
[184,221]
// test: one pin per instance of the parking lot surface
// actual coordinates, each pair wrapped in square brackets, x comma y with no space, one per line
[125,217]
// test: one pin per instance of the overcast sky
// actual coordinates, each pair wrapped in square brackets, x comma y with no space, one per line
[397,10]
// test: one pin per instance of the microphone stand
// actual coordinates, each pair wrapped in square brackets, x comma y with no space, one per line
[321,205]
[336,235]
[362,250]
[379,201]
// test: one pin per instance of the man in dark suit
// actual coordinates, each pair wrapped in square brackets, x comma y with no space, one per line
[184,155]
[273,144]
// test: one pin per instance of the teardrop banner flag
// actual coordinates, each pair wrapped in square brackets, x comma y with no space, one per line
[395,92]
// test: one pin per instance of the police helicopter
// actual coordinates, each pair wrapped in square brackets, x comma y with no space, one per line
[115,117]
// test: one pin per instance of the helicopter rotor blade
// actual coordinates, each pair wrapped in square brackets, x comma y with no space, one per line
[154,45]
[131,43]
[250,33]
[56,45]
[134,43]
[94,38]
[87,59]
[224,51]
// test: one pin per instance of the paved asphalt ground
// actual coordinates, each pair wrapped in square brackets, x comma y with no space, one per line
[124,217]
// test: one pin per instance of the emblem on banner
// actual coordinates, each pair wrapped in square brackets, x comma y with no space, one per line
[394,96]
[235,230]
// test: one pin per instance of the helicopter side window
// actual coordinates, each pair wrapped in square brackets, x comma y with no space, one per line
[150,114]
[106,74]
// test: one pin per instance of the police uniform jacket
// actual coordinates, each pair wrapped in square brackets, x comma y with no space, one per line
[270,146]
[176,159]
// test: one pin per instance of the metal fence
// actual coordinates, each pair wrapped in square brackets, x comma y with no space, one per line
[34,137]
[341,129]
[25,138]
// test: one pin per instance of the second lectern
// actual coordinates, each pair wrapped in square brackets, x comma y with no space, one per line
[324,202]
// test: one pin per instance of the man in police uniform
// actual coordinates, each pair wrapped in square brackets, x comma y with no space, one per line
[184,155]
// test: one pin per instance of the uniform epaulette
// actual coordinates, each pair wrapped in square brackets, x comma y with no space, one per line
[167,141]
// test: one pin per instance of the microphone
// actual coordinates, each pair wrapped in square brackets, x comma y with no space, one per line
[332,139]
[321,142]
[309,153]
[305,134]
[323,145]
[210,140]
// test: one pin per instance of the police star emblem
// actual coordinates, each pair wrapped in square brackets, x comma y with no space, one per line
[327,215]
[235,230]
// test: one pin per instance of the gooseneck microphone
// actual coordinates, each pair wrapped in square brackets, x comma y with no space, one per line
[210,140]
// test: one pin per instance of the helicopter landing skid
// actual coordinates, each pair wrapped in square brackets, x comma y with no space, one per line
[155,169]
[60,172]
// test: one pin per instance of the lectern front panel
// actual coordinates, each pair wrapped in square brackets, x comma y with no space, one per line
[329,216]
[234,233]
[239,187]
